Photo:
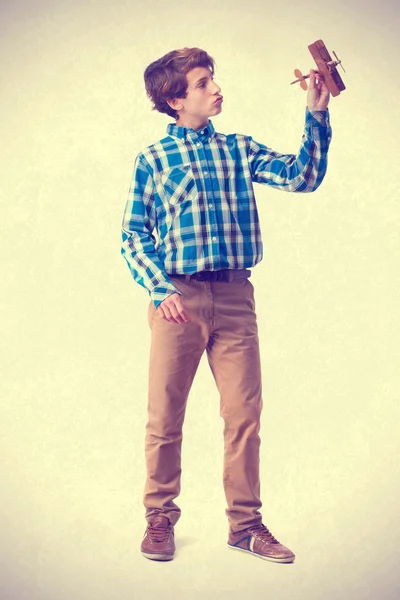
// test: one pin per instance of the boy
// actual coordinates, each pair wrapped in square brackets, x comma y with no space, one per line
[190,235]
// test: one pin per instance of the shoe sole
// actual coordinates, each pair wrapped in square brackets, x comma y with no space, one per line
[286,559]
[158,556]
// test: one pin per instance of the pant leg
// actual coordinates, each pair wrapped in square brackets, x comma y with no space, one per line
[176,350]
[234,357]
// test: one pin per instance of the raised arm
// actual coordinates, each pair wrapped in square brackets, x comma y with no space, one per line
[305,171]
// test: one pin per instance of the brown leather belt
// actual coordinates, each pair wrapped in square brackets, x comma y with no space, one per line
[222,275]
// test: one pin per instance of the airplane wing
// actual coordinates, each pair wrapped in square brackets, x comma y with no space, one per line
[332,78]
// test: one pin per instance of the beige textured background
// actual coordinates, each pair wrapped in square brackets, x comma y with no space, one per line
[74,338]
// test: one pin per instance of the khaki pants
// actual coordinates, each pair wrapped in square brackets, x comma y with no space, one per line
[222,322]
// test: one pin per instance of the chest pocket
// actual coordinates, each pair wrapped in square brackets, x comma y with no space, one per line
[178,184]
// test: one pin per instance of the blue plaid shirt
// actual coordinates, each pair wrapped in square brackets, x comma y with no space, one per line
[191,204]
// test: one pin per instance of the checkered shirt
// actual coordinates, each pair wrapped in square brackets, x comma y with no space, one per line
[191,204]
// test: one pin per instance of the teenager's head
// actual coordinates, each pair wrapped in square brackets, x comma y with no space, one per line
[181,84]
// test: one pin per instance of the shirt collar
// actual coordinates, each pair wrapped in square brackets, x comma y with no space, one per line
[189,133]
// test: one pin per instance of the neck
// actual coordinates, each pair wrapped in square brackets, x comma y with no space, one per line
[194,123]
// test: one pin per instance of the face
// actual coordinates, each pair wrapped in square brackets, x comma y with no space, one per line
[202,99]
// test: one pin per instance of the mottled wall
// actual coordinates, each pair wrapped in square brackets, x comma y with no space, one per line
[74,341]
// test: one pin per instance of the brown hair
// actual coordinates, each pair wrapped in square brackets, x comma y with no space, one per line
[165,79]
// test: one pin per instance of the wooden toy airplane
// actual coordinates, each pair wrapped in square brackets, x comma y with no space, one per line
[327,68]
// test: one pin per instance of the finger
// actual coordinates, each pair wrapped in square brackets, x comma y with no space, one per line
[181,310]
[323,82]
[173,310]
[165,312]
[172,313]
[175,315]
[164,308]
[160,309]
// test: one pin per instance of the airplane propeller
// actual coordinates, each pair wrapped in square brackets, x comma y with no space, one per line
[339,61]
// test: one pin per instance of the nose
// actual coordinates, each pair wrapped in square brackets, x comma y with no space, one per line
[216,88]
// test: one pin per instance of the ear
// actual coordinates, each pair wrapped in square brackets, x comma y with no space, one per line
[175,104]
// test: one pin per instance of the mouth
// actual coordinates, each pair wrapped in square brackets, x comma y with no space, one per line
[219,99]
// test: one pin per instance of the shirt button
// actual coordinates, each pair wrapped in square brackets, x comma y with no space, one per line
[214,239]
[205,172]
[202,131]
[198,144]
[210,205]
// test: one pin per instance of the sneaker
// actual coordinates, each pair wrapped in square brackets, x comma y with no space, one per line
[259,541]
[158,541]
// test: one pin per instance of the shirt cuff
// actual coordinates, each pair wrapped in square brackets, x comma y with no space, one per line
[317,117]
[162,291]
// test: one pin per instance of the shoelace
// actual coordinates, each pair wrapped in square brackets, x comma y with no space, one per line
[159,534]
[263,533]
